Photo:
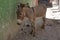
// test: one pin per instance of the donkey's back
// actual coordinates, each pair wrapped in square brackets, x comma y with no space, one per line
[40,10]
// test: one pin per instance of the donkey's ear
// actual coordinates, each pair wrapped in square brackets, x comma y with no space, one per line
[18,6]
[21,4]
[27,4]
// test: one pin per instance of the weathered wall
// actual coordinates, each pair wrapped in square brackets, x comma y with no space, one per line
[7,18]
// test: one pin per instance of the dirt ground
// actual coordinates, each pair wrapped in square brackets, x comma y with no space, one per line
[51,31]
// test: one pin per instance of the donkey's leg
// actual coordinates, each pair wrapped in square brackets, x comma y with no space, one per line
[43,26]
[33,27]
[33,22]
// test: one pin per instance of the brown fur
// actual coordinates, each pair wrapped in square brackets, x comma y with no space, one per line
[32,14]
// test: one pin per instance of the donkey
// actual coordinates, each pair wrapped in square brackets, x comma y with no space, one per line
[32,13]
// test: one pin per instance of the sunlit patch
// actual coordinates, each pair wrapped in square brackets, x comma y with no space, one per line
[53,13]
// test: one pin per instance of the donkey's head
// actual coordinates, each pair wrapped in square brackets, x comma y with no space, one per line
[21,12]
